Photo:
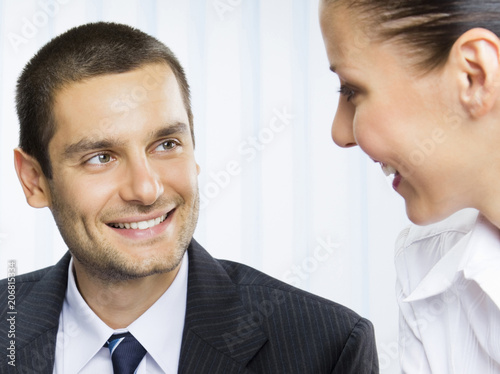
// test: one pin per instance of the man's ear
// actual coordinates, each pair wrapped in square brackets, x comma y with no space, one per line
[33,181]
[477,53]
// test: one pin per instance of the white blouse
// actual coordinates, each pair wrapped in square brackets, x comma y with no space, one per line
[448,291]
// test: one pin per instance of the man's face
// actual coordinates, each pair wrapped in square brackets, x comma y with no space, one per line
[124,192]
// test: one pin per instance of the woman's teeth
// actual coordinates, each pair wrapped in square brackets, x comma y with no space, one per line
[388,170]
[142,225]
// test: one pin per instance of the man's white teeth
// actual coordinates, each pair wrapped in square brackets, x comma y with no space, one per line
[142,225]
[388,170]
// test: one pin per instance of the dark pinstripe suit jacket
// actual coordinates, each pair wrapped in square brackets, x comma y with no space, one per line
[238,320]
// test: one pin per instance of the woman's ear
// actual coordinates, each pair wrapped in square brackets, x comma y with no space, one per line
[477,54]
[33,181]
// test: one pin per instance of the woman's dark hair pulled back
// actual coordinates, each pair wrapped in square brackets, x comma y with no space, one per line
[428,27]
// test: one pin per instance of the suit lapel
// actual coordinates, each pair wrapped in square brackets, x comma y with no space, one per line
[219,334]
[38,319]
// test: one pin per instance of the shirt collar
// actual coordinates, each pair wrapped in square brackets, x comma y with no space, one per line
[483,260]
[159,329]
[83,333]
[442,275]
[476,256]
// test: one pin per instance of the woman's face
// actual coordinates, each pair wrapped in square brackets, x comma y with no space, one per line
[409,123]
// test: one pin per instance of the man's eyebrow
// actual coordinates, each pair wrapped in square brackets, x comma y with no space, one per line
[88,144]
[176,128]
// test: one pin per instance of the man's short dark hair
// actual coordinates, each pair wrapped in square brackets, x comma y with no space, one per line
[80,53]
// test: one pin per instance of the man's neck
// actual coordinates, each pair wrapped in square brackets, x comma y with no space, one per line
[118,304]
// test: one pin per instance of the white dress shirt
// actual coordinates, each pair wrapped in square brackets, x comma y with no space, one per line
[448,290]
[82,334]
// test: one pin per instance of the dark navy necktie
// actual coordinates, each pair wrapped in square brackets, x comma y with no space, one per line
[126,353]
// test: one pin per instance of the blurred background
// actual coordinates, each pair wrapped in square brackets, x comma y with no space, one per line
[276,193]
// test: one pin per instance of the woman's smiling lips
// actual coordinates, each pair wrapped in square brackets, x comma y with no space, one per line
[388,171]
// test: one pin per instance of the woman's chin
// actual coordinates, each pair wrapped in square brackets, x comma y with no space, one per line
[422,216]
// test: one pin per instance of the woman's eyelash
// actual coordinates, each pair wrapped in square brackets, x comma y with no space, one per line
[347,92]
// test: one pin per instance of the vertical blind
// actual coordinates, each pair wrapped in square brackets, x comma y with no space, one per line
[276,193]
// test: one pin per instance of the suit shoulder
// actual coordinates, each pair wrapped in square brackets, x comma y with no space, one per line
[332,337]
[23,284]
[260,287]
[51,280]
[33,276]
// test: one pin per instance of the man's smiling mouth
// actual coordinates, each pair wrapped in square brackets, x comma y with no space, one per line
[141,225]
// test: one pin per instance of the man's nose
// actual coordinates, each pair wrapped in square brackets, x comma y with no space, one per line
[142,183]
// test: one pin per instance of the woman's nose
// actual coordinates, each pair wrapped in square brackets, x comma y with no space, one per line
[342,126]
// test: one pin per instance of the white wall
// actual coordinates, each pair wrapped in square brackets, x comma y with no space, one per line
[252,64]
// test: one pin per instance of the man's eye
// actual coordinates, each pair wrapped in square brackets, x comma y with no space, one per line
[167,145]
[100,159]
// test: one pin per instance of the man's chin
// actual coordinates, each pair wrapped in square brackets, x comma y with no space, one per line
[112,272]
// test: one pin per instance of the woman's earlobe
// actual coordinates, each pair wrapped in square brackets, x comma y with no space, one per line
[478,55]
[33,181]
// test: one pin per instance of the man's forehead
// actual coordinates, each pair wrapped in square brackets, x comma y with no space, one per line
[106,97]
[106,110]
[144,78]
